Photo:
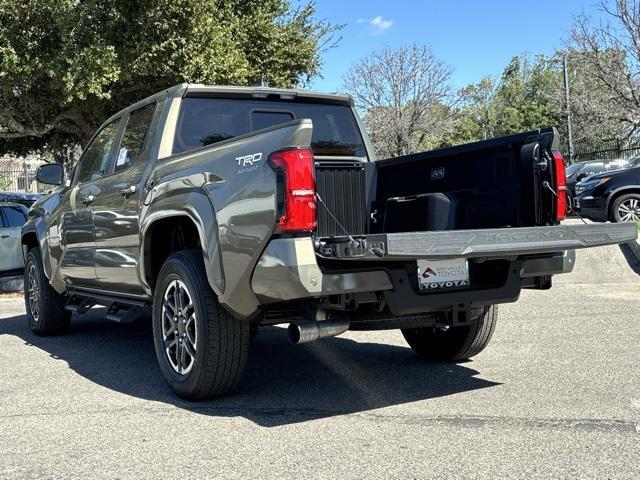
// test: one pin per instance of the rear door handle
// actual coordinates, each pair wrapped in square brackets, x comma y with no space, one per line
[88,199]
[130,190]
[5,236]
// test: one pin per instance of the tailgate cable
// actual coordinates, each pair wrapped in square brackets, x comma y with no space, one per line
[547,185]
[376,251]
[353,241]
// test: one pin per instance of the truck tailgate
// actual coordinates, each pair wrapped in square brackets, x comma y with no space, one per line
[483,243]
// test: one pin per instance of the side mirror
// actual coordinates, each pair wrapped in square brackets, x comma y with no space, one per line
[581,176]
[51,174]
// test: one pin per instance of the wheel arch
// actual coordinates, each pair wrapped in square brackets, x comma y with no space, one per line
[33,234]
[617,193]
[175,224]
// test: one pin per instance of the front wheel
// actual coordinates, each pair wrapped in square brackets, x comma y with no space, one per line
[46,314]
[201,348]
[626,208]
[446,343]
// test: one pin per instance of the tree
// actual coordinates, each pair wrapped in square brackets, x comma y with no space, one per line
[67,65]
[477,113]
[520,100]
[607,55]
[402,94]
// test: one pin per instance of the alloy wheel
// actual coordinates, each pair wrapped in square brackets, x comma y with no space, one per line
[33,292]
[629,210]
[179,327]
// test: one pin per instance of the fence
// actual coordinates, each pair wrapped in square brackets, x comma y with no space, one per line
[13,178]
[604,150]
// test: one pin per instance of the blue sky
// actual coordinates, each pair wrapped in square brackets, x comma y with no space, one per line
[476,38]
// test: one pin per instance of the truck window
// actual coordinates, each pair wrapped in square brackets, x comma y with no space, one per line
[205,121]
[134,136]
[95,160]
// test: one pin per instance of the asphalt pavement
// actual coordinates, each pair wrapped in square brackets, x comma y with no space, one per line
[555,395]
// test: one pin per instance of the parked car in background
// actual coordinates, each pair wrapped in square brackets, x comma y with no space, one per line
[613,196]
[23,198]
[12,217]
[577,172]
[633,162]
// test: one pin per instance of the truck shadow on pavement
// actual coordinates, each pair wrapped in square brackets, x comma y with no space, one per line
[283,383]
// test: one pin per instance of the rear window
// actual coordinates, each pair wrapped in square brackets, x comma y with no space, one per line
[205,121]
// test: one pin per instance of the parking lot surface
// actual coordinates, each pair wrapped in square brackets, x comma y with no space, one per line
[555,395]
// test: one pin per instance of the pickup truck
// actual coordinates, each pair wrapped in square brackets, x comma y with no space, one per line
[225,209]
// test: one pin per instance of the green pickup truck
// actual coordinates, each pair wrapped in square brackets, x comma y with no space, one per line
[230,208]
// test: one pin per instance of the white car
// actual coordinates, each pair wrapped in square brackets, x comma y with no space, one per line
[12,217]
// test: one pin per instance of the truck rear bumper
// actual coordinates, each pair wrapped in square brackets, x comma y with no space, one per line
[289,270]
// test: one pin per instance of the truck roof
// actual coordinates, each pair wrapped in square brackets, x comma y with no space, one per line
[198,90]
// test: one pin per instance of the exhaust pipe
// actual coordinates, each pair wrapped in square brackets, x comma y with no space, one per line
[309,330]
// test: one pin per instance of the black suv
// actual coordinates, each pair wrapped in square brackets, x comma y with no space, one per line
[579,171]
[611,196]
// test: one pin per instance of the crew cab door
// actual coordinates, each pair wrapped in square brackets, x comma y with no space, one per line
[77,240]
[115,209]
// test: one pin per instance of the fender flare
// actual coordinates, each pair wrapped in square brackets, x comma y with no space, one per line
[36,226]
[195,205]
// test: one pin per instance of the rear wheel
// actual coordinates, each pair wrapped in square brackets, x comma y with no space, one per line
[454,343]
[46,314]
[626,208]
[201,348]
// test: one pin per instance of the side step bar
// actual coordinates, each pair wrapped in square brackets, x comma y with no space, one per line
[485,243]
[118,308]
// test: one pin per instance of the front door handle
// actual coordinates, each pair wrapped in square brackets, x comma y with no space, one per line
[5,236]
[130,190]
[88,199]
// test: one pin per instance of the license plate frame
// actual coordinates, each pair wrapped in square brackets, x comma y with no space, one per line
[442,274]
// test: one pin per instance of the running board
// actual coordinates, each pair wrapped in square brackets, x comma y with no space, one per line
[105,299]
[485,243]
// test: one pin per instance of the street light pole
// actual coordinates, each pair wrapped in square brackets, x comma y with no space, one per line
[566,94]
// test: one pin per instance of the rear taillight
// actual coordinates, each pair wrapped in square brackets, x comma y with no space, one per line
[299,190]
[561,185]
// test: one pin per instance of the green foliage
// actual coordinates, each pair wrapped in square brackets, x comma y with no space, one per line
[66,65]
[523,99]
[5,184]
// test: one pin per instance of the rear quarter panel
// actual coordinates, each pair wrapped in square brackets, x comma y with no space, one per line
[229,191]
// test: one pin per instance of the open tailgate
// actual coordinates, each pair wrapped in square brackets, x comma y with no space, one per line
[483,243]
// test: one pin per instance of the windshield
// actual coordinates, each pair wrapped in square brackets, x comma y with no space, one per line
[572,169]
[205,121]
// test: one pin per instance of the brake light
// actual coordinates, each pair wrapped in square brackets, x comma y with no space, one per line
[299,205]
[561,185]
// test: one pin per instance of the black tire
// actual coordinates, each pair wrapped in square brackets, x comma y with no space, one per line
[615,213]
[221,342]
[48,315]
[456,343]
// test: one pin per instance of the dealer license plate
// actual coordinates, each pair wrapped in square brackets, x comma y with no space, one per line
[443,274]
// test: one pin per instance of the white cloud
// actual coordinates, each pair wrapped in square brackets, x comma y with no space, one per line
[377,25]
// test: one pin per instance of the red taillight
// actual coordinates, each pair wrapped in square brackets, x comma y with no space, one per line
[299,206]
[561,185]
